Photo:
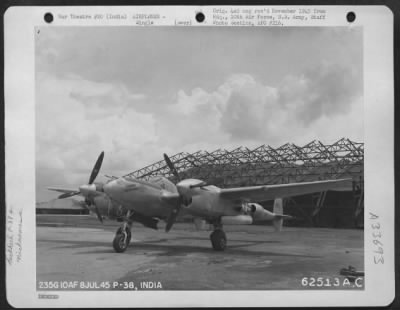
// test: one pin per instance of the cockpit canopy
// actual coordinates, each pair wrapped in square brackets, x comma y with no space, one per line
[164,183]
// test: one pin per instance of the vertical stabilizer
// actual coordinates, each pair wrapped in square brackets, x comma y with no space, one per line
[278,210]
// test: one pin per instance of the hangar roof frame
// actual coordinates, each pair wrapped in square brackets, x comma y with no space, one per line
[265,164]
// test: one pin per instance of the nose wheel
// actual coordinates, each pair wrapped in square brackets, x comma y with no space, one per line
[122,238]
[218,238]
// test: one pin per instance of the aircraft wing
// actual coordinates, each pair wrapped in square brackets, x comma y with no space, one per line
[270,192]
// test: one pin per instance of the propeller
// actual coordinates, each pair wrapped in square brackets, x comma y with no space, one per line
[183,186]
[96,168]
[171,167]
[89,203]
[86,189]
[96,210]
[93,176]
[174,214]
[70,194]
[175,211]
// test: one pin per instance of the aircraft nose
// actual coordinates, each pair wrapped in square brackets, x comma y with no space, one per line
[113,188]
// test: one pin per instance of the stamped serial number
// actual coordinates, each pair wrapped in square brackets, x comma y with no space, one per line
[332,282]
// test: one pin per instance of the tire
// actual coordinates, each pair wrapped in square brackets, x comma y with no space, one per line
[118,243]
[119,231]
[218,240]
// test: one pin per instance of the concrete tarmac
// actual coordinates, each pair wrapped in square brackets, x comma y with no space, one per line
[78,248]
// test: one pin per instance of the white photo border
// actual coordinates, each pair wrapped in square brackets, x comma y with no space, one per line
[19,74]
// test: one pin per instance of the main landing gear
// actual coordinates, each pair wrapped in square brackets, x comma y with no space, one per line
[123,235]
[218,238]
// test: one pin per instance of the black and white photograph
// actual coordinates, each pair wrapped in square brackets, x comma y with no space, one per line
[257,125]
[200,157]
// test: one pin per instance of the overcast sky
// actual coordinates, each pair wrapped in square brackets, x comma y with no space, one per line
[137,92]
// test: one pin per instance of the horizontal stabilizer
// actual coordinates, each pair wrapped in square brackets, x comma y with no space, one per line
[237,220]
[283,216]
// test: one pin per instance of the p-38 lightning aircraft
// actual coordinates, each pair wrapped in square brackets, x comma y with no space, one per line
[132,200]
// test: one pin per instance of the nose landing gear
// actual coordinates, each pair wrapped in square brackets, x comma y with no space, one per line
[122,239]
[123,236]
[218,238]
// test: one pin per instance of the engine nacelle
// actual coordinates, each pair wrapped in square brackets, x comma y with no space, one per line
[237,220]
[259,213]
[188,188]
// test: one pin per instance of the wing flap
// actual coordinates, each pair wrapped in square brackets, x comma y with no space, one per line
[270,192]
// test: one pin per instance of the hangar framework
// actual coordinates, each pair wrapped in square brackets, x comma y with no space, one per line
[268,165]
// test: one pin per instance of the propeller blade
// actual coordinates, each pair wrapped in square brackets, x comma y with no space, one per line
[98,213]
[61,190]
[70,194]
[85,206]
[96,168]
[171,167]
[172,217]
[89,202]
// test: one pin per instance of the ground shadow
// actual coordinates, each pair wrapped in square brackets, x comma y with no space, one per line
[166,249]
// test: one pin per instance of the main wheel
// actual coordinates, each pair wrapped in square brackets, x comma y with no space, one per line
[120,243]
[218,240]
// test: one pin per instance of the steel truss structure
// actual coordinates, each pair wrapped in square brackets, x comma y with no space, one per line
[266,165]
